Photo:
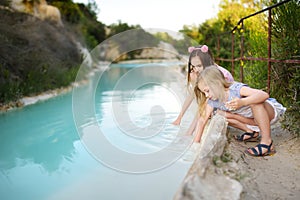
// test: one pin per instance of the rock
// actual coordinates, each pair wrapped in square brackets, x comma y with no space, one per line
[203,181]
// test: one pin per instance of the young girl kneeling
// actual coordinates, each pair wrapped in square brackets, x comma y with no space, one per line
[213,91]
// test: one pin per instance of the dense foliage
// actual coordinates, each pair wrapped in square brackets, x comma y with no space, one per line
[82,19]
[218,34]
[285,84]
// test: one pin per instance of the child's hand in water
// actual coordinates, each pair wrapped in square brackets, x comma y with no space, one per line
[177,121]
[233,104]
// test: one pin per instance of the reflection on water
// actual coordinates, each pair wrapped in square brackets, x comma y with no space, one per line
[42,134]
[42,157]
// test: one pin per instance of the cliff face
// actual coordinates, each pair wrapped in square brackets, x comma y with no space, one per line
[35,55]
[38,8]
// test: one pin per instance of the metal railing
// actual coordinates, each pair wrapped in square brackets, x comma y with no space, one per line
[241,57]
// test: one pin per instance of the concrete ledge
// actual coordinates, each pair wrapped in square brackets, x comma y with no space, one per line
[202,180]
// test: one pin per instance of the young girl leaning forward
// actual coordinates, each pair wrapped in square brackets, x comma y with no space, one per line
[213,91]
[200,58]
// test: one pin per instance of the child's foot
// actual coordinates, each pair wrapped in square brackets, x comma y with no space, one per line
[261,150]
[248,137]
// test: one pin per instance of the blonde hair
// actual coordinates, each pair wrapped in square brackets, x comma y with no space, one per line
[213,78]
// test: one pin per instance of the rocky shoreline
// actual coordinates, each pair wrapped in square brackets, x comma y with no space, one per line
[223,171]
[25,101]
[202,180]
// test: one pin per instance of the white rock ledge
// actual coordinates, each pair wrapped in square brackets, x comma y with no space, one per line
[202,180]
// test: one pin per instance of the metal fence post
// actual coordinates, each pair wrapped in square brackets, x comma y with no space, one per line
[269,49]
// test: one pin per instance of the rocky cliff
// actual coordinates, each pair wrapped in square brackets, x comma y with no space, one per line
[35,55]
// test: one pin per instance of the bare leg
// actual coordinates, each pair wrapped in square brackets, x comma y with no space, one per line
[244,120]
[240,122]
[262,115]
[239,125]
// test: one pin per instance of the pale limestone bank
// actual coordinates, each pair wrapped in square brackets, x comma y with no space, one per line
[204,180]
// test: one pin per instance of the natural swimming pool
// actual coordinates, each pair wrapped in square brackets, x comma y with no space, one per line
[42,156]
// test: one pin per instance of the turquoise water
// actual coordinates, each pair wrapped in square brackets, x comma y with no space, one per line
[43,157]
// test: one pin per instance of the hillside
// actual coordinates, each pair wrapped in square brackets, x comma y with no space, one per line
[35,55]
[40,52]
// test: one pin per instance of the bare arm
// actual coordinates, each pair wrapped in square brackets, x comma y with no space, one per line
[185,106]
[193,125]
[251,96]
[202,123]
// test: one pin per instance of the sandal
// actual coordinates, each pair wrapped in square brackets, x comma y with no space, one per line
[270,151]
[252,137]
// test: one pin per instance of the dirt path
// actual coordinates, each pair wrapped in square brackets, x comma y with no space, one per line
[271,177]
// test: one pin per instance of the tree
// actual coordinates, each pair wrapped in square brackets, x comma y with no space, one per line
[216,33]
[285,84]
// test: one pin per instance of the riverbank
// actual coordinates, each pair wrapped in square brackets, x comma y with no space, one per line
[29,100]
[216,175]
[271,177]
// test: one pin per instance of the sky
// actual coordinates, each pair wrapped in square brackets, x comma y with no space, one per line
[156,14]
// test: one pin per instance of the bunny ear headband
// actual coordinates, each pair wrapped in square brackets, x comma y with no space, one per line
[204,49]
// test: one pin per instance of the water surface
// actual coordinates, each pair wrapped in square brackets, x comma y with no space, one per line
[42,156]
